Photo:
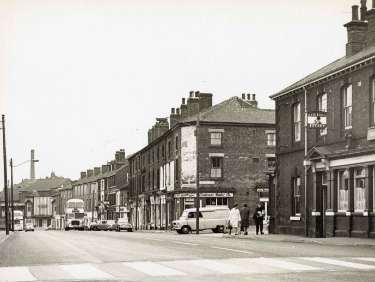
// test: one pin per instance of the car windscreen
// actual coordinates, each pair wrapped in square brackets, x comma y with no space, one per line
[79,215]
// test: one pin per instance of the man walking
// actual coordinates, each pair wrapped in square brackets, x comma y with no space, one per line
[245,218]
[258,218]
[234,219]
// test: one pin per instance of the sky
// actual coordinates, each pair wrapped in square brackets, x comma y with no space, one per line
[82,79]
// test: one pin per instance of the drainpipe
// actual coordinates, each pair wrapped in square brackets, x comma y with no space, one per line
[305,166]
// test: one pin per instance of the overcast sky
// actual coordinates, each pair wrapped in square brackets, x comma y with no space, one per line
[82,79]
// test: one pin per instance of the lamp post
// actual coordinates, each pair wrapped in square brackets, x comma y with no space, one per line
[5,177]
[197,172]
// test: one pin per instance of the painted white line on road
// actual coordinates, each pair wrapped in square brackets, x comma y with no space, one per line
[153,269]
[16,274]
[340,263]
[85,271]
[288,265]
[233,250]
[154,239]
[366,259]
[185,243]
[218,266]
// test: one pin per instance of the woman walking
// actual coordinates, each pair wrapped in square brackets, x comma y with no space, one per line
[234,219]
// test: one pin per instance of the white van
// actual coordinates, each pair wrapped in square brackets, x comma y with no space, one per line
[214,218]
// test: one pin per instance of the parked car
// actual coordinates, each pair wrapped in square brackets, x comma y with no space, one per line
[214,218]
[29,226]
[111,225]
[123,224]
[101,225]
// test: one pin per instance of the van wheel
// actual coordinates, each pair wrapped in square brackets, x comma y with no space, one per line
[179,231]
[66,228]
[185,229]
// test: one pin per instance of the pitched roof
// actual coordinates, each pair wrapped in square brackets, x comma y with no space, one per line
[339,150]
[42,184]
[329,69]
[99,176]
[235,110]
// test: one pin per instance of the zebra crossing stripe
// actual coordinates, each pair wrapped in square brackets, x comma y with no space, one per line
[16,274]
[288,265]
[153,269]
[340,263]
[366,259]
[85,271]
[219,266]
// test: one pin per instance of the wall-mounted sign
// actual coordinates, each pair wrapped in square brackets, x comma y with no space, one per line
[204,195]
[317,119]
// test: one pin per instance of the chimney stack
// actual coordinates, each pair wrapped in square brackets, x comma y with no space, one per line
[96,170]
[363,10]
[243,96]
[192,103]
[357,31]
[120,156]
[90,172]
[32,165]
[83,174]
[370,17]
[173,118]
[183,109]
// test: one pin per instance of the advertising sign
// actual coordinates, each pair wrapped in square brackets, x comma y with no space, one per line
[317,119]
[188,157]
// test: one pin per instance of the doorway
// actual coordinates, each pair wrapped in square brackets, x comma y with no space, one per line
[321,203]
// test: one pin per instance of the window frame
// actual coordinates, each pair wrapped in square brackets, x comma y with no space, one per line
[362,178]
[340,178]
[271,142]
[220,167]
[372,102]
[296,182]
[297,122]
[323,108]
[220,142]
[347,107]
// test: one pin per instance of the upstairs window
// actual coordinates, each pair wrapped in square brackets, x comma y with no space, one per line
[215,138]
[216,167]
[297,122]
[322,107]
[347,106]
[271,139]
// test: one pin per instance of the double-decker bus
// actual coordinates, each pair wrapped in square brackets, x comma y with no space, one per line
[74,214]
[18,220]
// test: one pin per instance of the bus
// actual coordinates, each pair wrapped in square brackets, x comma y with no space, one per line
[74,214]
[18,220]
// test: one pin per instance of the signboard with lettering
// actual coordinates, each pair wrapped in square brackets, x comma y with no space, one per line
[203,195]
[317,119]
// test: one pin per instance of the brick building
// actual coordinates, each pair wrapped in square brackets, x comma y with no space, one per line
[328,190]
[235,139]
[104,189]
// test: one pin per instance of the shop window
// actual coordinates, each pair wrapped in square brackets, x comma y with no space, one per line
[297,122]
[359,189]
[216,167]
[271,139]
[325,178]
[347,106]
[216,138]
[296,196]
[322,106]
[343,190]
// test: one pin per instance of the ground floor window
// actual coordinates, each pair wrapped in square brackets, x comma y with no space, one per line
[216,201]
[296,206]
[359,189]
[343,189]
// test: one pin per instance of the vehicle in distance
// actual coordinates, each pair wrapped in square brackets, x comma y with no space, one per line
[18,220]
[74,214]
[214,218]
[103,225]
[123,224]
[29,226]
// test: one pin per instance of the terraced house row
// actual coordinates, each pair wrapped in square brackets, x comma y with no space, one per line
[236,143]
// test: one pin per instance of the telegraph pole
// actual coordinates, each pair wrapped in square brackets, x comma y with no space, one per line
[5,178]
[11,191]
[197,172]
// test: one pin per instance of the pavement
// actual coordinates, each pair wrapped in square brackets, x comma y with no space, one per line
[168,256]
[3,236]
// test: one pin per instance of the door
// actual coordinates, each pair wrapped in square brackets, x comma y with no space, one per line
[321,205]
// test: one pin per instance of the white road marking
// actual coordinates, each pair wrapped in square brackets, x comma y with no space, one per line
[366,259]
[233,250]
[85,271]
[16,274]
[185,243]
[153,269]
[154,239]
[218,266]
[288,265]
[340,263]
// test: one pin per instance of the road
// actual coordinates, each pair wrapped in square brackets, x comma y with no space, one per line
[148,256]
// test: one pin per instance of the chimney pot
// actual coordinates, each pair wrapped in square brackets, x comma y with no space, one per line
[197,94]
[373,4]
[177,111]
[191,94]
[355,12]
[253,97]
[172,110]
[248,96]
[243,96]
[183,101]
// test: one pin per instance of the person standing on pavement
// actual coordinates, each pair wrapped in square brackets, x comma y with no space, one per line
[234,219]
[245,218]
[258,218]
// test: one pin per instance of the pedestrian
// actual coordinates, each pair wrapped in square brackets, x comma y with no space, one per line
[258,218]
[245,218]
[234,219]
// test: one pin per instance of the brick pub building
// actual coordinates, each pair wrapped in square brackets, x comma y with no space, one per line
[235,139]
[340,160]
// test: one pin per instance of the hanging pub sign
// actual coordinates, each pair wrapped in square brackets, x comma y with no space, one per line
[317,119]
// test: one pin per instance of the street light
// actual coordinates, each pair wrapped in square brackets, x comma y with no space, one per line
[11,184]
[5,177]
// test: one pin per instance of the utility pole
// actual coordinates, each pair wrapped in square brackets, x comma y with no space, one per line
[306,167]
[11,191]
[197,172]
[5,178]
